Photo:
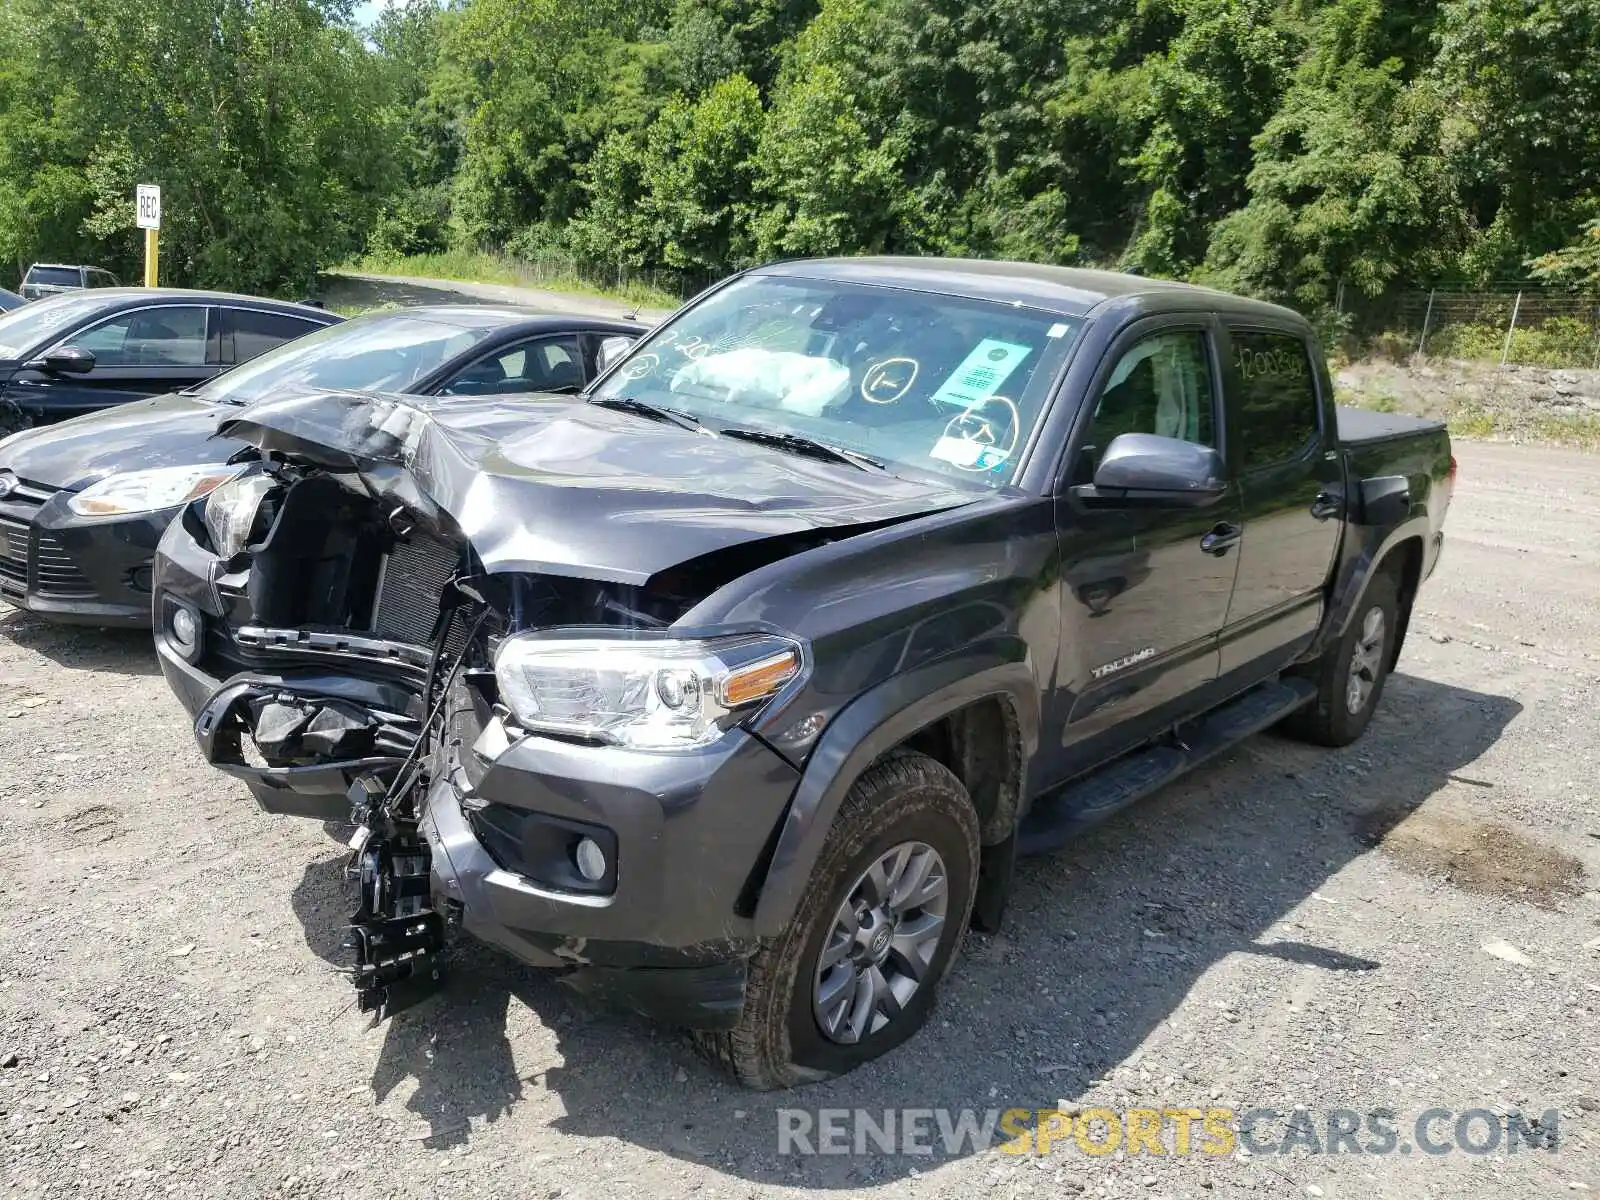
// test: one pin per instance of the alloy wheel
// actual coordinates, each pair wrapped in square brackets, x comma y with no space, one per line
[1366,662]
[882,942]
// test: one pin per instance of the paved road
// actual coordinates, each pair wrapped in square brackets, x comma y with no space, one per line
[358,289]
[1288,926]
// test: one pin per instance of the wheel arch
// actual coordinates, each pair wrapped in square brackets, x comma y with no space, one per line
[977,713]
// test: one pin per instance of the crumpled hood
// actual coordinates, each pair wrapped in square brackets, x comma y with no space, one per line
[166,431]
[554,484]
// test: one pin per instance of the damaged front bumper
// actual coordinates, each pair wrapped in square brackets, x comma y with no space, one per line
[674,951]
[668,928]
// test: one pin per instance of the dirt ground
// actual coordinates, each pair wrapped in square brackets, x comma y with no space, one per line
[1290,926]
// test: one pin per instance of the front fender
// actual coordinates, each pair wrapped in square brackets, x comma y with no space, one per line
[870,726]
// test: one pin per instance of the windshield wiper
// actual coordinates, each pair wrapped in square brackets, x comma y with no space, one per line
[654,411]
[799,444]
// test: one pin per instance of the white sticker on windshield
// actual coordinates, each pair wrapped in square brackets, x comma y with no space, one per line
[1057,330]
[981,373]
[968,454]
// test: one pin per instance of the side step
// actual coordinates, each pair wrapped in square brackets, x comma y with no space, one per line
[1059,817]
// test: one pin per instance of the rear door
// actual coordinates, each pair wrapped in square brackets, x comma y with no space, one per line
[137,352]
[1289,478]
[1144,590]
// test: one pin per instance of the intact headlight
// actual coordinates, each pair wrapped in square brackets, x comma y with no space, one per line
[648,694]
[148,491]
[231,510]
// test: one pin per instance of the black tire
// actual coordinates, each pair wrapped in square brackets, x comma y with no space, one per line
[1331,720]
[779,1041]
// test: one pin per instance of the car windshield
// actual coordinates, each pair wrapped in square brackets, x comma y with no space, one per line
[34,326]
[918,379]
[383,352]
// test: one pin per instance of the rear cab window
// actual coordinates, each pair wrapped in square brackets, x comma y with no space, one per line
[1277,414]
[55,276]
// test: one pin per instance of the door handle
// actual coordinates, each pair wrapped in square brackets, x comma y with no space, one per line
[1220,540]
[1327,504]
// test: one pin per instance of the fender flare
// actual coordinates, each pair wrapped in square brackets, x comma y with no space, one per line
[872,724]
[1357,572]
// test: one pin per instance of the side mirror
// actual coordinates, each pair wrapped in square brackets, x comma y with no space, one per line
[66,360]
[612,349]
[1145,468]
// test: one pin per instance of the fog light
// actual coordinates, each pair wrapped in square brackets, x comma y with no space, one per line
[591,860]
[185,630]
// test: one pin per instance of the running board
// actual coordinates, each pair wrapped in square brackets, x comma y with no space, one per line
[1060,816]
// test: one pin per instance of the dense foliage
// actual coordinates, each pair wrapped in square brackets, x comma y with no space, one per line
[1276,146]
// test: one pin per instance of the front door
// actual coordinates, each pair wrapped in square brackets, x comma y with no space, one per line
[143,352]
[1144,590]
[1289,478]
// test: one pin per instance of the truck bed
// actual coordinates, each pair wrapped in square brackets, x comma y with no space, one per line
[1362,427]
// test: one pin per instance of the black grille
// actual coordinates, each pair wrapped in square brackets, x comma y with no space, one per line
[55,574]
[14,536]
[414,577]
[23,546]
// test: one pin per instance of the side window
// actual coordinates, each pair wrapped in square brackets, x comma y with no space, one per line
[251,332]
[1160,385]
[547,365]
[1277,396]
[558,365]
[150,337]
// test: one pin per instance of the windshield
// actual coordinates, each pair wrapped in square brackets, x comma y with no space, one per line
[34,326]
[381,352]
[918,379]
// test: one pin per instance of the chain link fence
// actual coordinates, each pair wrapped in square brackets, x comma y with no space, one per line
[1513,323]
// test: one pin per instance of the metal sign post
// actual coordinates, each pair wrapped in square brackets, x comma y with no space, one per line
[147,212]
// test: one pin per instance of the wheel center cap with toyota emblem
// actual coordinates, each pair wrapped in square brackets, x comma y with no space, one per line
[879,945]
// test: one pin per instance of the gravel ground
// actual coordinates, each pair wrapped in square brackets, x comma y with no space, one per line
[1290,926]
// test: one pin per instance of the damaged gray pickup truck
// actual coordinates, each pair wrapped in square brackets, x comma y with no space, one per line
[733,687]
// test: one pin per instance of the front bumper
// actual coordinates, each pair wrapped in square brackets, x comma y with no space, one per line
[689,834]
[89,571]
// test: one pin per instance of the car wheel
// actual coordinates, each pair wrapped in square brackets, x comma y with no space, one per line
[855,973]
[1350,675]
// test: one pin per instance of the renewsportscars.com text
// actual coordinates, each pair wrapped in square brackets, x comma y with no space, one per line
[1170,1131]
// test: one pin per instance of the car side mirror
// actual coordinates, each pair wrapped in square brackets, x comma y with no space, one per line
[612,349]
[65,360]
[1145,468]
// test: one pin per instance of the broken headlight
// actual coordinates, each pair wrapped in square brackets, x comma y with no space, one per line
[148,491]
[649,694]
[231,512]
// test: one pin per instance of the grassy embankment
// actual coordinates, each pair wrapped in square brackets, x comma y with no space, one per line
[558,276]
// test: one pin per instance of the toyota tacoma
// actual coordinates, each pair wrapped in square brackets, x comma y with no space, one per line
[733,687]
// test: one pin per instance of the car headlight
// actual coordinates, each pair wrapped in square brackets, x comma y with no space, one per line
[648,694]
[148,491]
[230,514]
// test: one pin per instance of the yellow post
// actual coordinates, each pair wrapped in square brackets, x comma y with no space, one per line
[151,254]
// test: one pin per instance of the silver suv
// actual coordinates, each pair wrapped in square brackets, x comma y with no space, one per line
[51,279]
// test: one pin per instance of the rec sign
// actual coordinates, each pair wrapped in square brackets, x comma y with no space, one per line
[147,205]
